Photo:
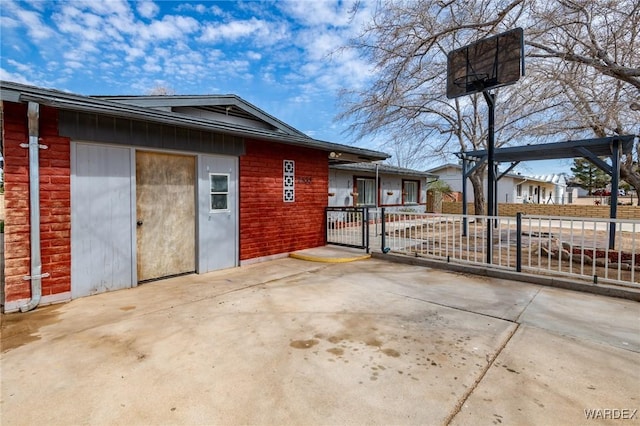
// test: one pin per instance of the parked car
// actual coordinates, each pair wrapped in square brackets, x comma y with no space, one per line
[601,192]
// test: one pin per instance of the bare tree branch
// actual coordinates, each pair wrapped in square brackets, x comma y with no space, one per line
[583,73]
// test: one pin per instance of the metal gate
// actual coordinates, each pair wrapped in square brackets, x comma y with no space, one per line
[348,226]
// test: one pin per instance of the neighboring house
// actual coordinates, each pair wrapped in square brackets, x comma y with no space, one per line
[133,189]
[396,189]
[574,191]
[512,187]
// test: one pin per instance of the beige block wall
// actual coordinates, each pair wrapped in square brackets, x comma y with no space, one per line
[567,210]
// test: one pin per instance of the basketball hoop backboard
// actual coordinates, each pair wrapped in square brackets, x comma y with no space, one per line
[488,63]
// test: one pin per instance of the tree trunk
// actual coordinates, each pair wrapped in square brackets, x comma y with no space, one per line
[630,176]
[478,191]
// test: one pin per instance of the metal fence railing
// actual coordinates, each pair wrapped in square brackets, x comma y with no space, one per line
[451,237]
[580,248]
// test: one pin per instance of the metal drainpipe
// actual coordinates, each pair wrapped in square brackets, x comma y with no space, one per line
[34,207]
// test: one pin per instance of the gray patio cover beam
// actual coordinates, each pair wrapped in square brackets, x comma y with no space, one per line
[591,149]
[513,164]
[601,147]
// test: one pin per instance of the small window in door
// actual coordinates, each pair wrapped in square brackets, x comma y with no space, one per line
[219,191]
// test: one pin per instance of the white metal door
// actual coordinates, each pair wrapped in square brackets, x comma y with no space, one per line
[217,213]
[101,219]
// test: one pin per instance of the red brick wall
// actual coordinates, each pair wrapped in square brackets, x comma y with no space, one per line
[268,225]
[55,202]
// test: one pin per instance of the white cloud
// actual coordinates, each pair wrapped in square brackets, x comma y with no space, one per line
[106,8]
[36,4]
[254,55]
[301,99]
[15,77]
[200,8]
[326,27]
[72,26]
[92,21]
[147,9]
[263,32]
[320,44]
[319,12]
[133,53]
[52,66]
[7,22]
[74,64]
[169,28]
[268,77]
[151,66]
[36,28]
[72,55]
[19,66]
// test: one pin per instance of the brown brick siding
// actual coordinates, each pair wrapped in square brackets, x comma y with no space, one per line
[567,210]
[55,202]
[268,225]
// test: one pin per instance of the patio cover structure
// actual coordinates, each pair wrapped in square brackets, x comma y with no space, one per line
[590,149]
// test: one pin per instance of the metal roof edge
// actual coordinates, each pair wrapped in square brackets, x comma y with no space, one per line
[383,168]
[511,175]
[444,166]
[151,101]
[16,92]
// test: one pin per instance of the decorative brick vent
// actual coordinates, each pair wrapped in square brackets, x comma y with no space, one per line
[288,182]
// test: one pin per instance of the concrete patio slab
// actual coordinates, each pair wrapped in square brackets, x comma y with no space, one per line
[615,324]
[544,378]
[296,342]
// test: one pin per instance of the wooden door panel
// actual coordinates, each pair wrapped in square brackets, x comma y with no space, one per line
[165,205]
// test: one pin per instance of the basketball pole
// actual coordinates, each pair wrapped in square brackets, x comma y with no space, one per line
[491,178]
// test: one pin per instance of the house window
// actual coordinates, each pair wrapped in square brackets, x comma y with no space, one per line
[366,189]
[288,182]
[410,191]
[519,190]
[219,191]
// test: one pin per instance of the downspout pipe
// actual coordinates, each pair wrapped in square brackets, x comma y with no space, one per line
[33,115]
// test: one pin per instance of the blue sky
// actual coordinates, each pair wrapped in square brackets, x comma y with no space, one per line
[283,56]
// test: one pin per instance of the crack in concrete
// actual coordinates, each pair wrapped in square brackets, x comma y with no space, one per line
[517,320]
[479,379]
[457,308]
[491,360]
